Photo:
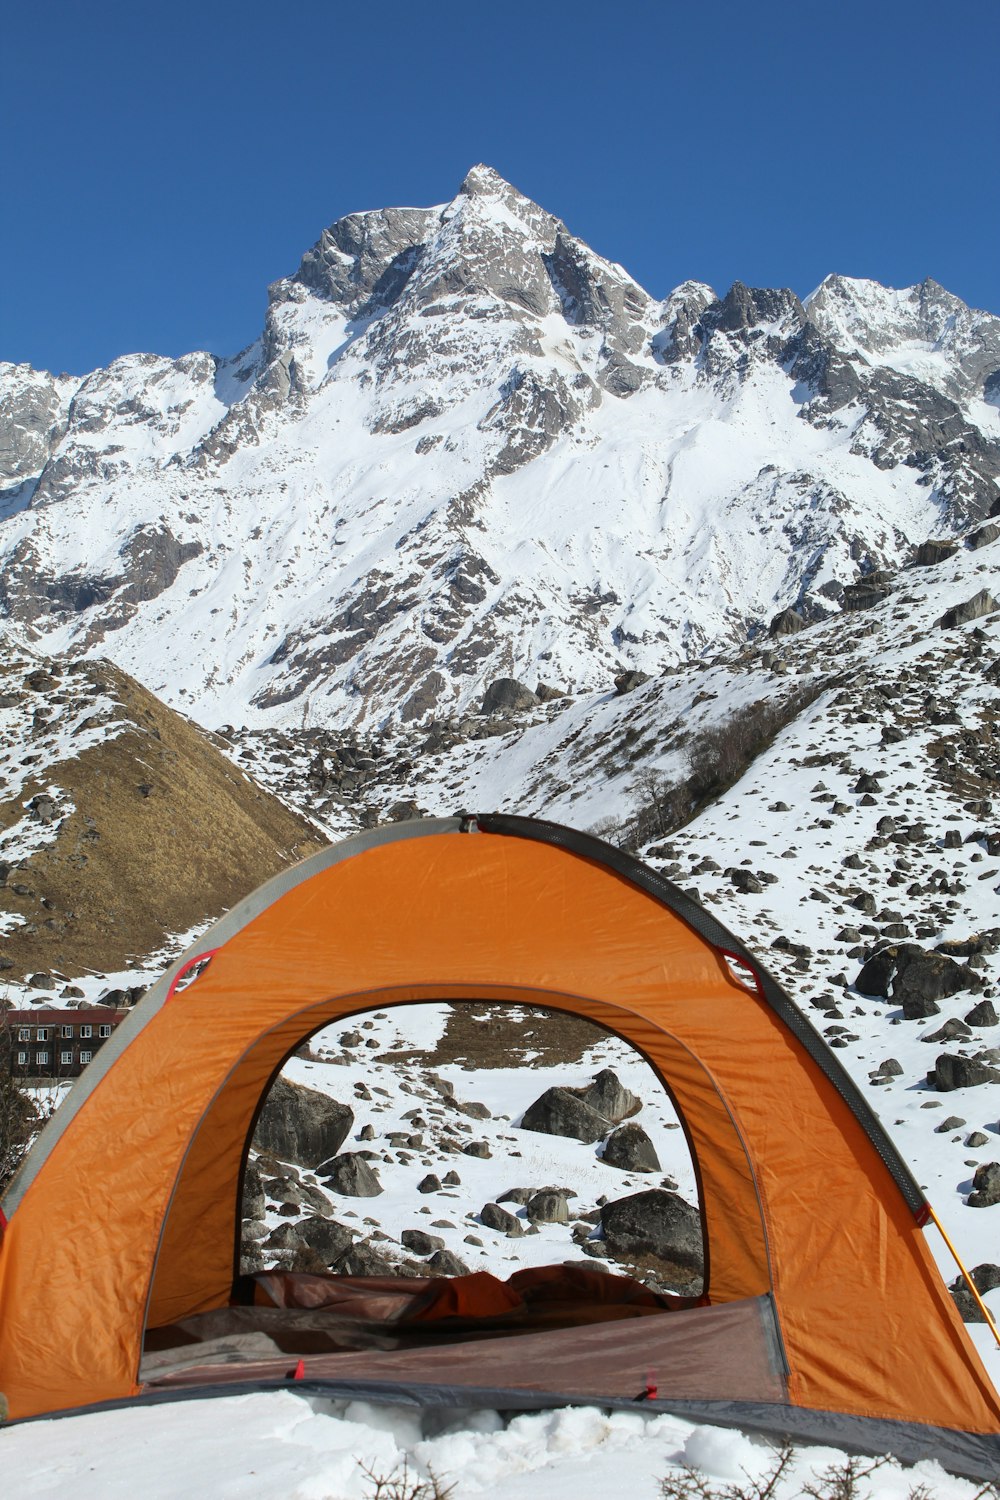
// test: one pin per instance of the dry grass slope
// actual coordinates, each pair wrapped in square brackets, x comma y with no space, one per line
[165,833]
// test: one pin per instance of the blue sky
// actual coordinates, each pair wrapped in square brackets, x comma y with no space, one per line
[163,163]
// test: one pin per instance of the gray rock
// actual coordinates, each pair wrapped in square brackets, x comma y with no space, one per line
[876,973]
[976,1140]
[495,1217]
[300,1125]
[507,695]
[421,1243]
[367,1259]
[350,1175]
[429,1184]
[953,1122]
[547,1207]
[609,1097]
[953,1072]
[630,1149]
[627,682]
[253,1193]
[447,1263]
[923,978]
[985,1186]
[975,608]
[786,622]
[477,1148]
[982,536]
[564,1112]
[658,1224]
[982,1014]
[932,552]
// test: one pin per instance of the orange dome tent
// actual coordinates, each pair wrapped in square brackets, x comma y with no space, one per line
[824,1316]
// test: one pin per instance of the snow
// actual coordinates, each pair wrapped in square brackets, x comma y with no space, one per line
[284,1446]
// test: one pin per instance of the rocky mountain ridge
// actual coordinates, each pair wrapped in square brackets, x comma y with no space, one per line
[465,447]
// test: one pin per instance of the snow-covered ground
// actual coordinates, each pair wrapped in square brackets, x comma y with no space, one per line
[284,1446]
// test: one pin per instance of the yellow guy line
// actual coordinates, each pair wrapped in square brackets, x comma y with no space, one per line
[990,1319]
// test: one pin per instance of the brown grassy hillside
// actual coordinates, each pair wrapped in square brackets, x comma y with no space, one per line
[121,823]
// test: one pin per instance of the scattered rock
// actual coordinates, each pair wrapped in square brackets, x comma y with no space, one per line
[446,1263]
[609,1097]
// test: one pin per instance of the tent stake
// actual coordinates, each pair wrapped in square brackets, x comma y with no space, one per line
[990,1319]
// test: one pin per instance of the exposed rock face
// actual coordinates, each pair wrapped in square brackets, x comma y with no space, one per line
[300,1125]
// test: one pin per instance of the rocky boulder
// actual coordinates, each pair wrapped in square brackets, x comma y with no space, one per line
[350,1175]
[658,1225]
[300,1125]
[609,1097]
[786,622]
[627,682]
[954,1072]
[507,695]
[253,1193]
[923,978]
[975,608]
[547,1207]
[630,1149]
[495,1217]
[985,1186]
[564,1112]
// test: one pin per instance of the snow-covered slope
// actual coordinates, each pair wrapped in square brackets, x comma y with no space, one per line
[466,447]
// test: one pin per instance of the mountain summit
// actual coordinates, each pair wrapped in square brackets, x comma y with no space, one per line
[464,447]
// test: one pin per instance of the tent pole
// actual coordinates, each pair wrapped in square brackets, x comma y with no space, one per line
[990,1319]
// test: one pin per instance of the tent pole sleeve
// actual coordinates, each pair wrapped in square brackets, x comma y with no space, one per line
[990,1319]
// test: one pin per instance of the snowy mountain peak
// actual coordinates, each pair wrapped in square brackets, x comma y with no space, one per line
[922,331]
[466,446]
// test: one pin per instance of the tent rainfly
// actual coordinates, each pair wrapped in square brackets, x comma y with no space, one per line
[823,1318]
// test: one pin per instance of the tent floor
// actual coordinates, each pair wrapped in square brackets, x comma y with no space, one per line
[549,1329]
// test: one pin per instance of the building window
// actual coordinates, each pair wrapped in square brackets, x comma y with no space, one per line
[22,1058]
[42,1034]
[24,1034]
[66,1059]
[42,1058]
[85,1057]
[66,1032]
[86,1031]
[104,1030]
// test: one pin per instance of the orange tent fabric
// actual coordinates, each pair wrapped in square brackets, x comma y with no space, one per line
[129,1200]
